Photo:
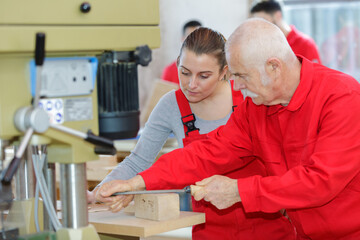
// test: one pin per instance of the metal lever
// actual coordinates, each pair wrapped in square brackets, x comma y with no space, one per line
[89,136]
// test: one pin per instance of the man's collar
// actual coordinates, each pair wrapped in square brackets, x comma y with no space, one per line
[302,90]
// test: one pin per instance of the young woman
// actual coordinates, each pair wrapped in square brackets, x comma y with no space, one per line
[204,101]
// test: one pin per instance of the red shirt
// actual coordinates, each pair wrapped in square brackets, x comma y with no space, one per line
[170,73]
[310,148]
[233,222]
[303,45]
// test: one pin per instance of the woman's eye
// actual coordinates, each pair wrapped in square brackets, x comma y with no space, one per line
[204,76]
[185,73]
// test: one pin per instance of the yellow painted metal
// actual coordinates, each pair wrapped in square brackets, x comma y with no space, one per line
[14,91]
[84,233]
[115,25]
[103,12]
[66,148]
[78,39]
[21,215]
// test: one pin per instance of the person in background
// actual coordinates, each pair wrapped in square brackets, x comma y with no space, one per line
[204,102]
[300,43]
[301,119]
[170,72]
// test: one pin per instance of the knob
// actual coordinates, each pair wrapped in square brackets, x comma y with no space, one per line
[85,7]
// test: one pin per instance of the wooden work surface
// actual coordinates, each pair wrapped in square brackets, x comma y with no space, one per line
[126,224]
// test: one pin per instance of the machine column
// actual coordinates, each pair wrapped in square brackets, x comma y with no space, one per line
[73,195]
[25,177]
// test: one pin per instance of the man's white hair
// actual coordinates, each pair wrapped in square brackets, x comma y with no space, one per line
[256,41]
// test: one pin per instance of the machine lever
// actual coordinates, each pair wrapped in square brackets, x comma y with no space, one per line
[97,140]
[89,136]
[39,49]
[39,60]
[8,174]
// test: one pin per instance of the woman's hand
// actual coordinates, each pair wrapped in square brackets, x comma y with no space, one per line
[91,195]
[116,203]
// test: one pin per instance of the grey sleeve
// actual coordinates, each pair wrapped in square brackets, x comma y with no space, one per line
[155,133]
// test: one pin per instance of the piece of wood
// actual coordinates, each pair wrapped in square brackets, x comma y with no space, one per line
[126,224]
[157,206]
[195,188]
[130,208]
[97,170]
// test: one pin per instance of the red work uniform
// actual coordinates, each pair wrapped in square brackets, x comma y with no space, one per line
[231,223]
[303,45]
[310,148]
[170,73]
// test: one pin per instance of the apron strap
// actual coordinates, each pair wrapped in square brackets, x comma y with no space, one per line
[187,117]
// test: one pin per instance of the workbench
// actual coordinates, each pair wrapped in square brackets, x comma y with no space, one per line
[123,225]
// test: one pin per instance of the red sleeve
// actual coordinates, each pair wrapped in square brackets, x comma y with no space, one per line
[170,73]
[219,154]
[333,164]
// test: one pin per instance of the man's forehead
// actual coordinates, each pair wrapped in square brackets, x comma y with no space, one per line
[234,55]
[236,66]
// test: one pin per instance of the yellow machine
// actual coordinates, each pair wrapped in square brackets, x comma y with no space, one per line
[105,36]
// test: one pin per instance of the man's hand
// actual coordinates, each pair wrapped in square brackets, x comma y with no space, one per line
[220,191]
[116,203]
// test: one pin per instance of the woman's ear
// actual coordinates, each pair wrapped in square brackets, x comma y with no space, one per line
[225,74]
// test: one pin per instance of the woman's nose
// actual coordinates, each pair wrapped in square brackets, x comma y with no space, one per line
[192,82]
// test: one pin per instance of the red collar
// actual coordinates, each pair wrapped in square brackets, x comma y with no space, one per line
[303,89]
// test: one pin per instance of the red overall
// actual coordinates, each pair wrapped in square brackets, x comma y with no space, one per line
[233,222]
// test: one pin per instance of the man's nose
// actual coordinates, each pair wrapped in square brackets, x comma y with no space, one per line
[238,85]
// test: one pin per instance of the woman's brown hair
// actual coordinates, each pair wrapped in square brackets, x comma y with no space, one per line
[206,41]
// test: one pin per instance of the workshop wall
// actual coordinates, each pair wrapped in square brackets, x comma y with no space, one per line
[223,16]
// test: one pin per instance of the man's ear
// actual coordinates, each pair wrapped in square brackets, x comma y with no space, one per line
[273,67]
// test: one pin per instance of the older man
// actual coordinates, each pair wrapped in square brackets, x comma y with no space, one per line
[300,118]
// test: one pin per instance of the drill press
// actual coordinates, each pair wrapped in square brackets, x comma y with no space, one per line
[77,35]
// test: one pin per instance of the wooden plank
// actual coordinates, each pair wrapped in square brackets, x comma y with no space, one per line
[97,170]
[127,224]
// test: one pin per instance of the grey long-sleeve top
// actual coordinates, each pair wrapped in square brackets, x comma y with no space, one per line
[164,120]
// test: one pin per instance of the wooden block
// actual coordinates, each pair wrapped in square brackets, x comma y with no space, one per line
[130,208]
[157,206]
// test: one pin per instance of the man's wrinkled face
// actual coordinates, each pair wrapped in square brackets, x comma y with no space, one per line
[249,80]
